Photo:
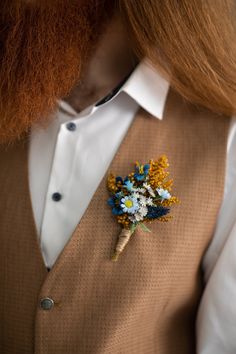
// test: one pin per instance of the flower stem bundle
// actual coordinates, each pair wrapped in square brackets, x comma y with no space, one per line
[123,239]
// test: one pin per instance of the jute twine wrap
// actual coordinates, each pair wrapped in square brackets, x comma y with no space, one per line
[123,239]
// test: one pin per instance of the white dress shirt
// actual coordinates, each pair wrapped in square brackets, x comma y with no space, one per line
[216,322]
[67,162]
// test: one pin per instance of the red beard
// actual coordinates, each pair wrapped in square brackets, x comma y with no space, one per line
[43,48]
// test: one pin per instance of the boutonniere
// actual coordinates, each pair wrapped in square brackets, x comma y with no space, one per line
[141,197]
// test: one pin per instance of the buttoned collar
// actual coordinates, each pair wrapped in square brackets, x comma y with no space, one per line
[145,85]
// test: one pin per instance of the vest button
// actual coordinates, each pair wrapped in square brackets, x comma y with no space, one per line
[46,303]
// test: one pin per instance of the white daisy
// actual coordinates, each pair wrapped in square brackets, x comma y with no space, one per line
[141,190]
[142,200]
[149,201]
[138,217]
[136,195]
[132,218]
[143,211]
[129,204]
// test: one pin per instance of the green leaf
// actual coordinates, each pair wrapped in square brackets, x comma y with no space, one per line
[133,227]
[144,227]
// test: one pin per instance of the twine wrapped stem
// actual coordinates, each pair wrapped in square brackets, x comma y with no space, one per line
[123,239]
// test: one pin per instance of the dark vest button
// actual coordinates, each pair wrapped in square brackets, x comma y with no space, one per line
[46,303]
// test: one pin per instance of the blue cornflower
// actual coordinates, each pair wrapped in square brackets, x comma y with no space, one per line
[114,202]
[156,212]
[141,171]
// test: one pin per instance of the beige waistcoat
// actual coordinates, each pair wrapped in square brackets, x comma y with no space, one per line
[146,302]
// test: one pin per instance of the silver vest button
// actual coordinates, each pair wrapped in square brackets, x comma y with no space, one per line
[46,303]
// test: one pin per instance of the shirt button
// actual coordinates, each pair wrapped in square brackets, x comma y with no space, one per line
[56,196]
[46,303]
[71,126]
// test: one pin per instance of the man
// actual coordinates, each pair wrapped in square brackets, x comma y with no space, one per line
[92,86]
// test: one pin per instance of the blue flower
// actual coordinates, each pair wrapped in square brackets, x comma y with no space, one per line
[119,195]
[156,212]
[129,185]
[119,179]
[129,204]
[115,204]
[163,193]
[141,171]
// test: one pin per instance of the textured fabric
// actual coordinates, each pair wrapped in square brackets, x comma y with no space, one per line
[147,301]
[74,162]
[21,266]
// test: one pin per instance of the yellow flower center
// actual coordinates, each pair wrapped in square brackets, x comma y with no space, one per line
[128,203]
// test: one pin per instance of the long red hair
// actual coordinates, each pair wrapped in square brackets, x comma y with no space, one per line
[193,42]
[44,44]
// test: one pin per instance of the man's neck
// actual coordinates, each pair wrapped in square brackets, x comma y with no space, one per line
[112,61]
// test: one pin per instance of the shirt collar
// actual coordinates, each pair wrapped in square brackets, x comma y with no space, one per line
[145,85]
[148,88]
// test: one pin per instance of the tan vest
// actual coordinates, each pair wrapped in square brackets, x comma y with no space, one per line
[146,302]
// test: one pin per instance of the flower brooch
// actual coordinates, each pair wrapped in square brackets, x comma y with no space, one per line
[141,197]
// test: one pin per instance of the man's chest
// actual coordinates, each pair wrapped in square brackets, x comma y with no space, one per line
[158,272]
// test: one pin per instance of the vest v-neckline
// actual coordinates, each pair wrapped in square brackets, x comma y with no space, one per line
[101,188]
